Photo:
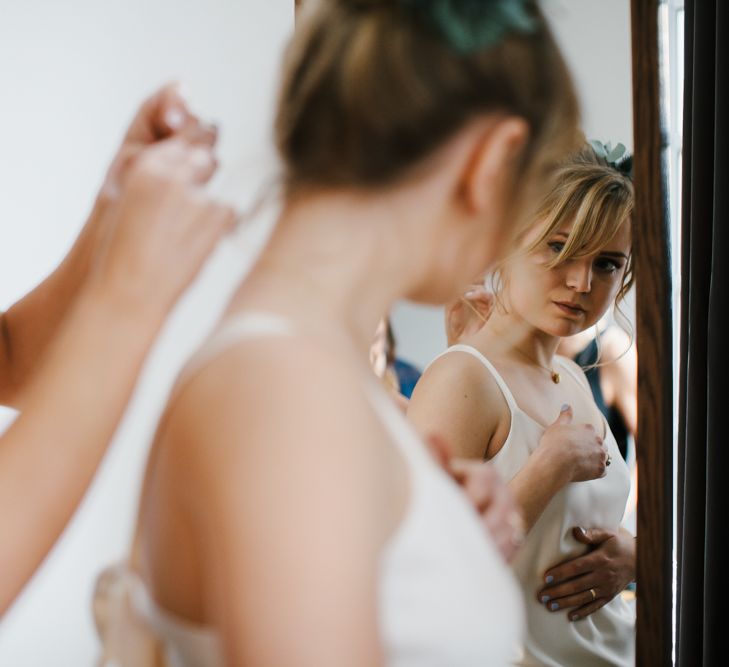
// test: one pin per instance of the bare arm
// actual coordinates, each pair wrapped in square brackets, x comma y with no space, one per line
[534,486]
[33,322]
[457,408]
[163,229]
[284,509]
[455,400]
[566,453]
[50,453]
[30,325]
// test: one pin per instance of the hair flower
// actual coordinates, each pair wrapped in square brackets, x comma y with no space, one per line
[618,158]
[472,25]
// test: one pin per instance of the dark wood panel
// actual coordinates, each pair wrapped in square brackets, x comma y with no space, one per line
[653,319]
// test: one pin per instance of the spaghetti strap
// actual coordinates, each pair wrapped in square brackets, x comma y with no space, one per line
[510,400]
[232,331]
[245,326]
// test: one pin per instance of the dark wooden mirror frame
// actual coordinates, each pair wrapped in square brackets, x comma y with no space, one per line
[651,247]
[653,325]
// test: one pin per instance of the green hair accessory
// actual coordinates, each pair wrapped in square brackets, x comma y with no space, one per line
[618,158]
[473,25]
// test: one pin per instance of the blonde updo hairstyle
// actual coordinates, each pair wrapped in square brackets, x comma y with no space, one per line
[371,91]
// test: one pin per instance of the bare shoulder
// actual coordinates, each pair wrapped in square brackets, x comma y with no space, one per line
[457,374]
[284,390]
[458,398]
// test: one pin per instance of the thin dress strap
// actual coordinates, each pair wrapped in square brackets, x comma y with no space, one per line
[240,327]
[510,400]
[230,332]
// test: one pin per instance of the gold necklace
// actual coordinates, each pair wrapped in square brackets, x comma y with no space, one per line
[556,377]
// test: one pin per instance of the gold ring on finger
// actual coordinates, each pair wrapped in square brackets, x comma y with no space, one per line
[594,595]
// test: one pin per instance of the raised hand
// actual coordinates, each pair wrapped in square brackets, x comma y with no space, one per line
[163,225]
[574,452]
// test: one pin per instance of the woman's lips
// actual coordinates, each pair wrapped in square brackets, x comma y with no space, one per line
[569,309]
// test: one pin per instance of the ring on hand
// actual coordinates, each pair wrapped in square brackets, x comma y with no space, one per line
[594,595]
[609,460]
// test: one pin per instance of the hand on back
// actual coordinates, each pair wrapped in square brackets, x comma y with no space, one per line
[490,496]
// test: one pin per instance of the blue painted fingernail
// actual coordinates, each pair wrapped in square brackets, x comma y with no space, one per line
[545,598]
[549,578]
[554,606]
[565,407]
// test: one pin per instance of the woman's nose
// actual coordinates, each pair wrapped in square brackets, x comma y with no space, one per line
[579,277]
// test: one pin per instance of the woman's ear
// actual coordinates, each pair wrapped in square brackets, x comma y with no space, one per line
[488,181]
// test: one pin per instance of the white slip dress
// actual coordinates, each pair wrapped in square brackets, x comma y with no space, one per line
[606,637]
[446,597]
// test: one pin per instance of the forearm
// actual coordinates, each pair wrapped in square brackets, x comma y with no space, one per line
[32,323]
[69,413]
[534,486]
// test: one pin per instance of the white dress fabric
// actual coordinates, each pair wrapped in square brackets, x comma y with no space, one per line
[446,597]
[606,637]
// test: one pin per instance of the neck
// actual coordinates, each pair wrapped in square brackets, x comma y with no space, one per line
[508,334]
[337,262]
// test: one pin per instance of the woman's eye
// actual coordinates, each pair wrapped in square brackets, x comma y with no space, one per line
[607,265]
[556,246]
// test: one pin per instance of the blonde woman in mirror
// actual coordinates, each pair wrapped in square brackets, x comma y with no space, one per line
[291,516]
[493,394]
[605,352]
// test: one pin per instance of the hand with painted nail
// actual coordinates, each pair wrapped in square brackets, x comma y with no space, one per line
[584,584]
[574,452]
[566,453]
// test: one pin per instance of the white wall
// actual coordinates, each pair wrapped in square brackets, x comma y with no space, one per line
[71,75]
[595,38]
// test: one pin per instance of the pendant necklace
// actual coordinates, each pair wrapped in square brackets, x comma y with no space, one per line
[556,377]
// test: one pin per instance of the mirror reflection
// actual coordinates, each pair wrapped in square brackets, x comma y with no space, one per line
[493,396]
